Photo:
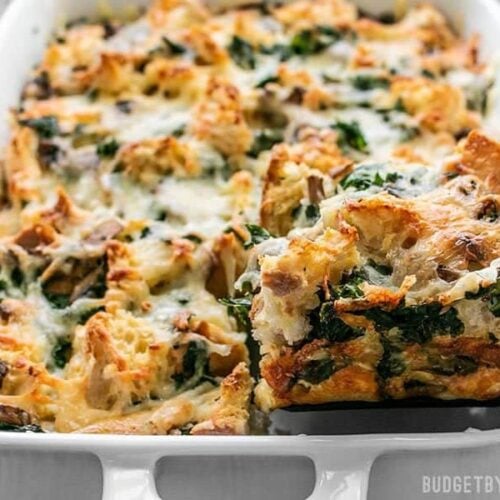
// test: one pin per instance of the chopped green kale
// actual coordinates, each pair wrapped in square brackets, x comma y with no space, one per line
[351,136]
[173,48]
[366,176]
[194,366]
[269,79]
[4,426]
[57,300]
[257,235]
[61,352]
[242,53]
[313,41]
[265,140]
[239,309]
[108,148]
[46,127]
[317,370]
[490,295]
[391,364]
[417,324]
[369,82]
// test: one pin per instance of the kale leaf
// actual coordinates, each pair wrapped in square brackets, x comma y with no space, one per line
[311,212]
[265,140]
[317,370]
[364,177]
[172,47]
[194,366]
[4,426]
[351,136]
[369,82]
[242,53]
[46,127]
[313,41]
[391,363]
[239,309]
[490,295]
[257,235]
[327,325]
[61,352]
[57,300]
[108,148]
[417,324]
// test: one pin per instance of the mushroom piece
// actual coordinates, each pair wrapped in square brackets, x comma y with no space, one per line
[104,231]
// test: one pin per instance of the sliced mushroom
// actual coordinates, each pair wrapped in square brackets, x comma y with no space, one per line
[12,415]
[4,371]
[315,189]
[104,231]
[83,286]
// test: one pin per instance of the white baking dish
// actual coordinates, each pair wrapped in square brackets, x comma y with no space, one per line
[342,462]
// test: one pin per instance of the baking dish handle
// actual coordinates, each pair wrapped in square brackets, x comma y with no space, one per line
[127,479]
[342,474]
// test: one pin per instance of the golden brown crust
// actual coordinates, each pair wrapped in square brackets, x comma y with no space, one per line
[142,156]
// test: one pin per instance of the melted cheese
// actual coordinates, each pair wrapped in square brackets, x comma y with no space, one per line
[142,149]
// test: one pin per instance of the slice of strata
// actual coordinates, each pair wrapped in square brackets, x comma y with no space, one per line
[394,292]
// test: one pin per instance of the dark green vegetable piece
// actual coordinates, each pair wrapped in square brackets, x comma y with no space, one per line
[108,148]
[351,136]
[369,82]
[313,41]
[311,212]
[242,53]
[270,79]
[46,127]
[61,352]
[257,235]
[20,428]
[428,74]
[284,52]
[93,94]
[380,268]
[194,366]
[417,324]
[364,177]
[57,300]
[391,364]
[179,131]
[85,316]
[17,277]
[265,140]
[172,47]
[490,295]
[239,309]
[168,48]
[317,370]
[327,325]
[349,286]
[324,320]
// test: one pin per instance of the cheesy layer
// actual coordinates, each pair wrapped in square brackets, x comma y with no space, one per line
[303,173]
